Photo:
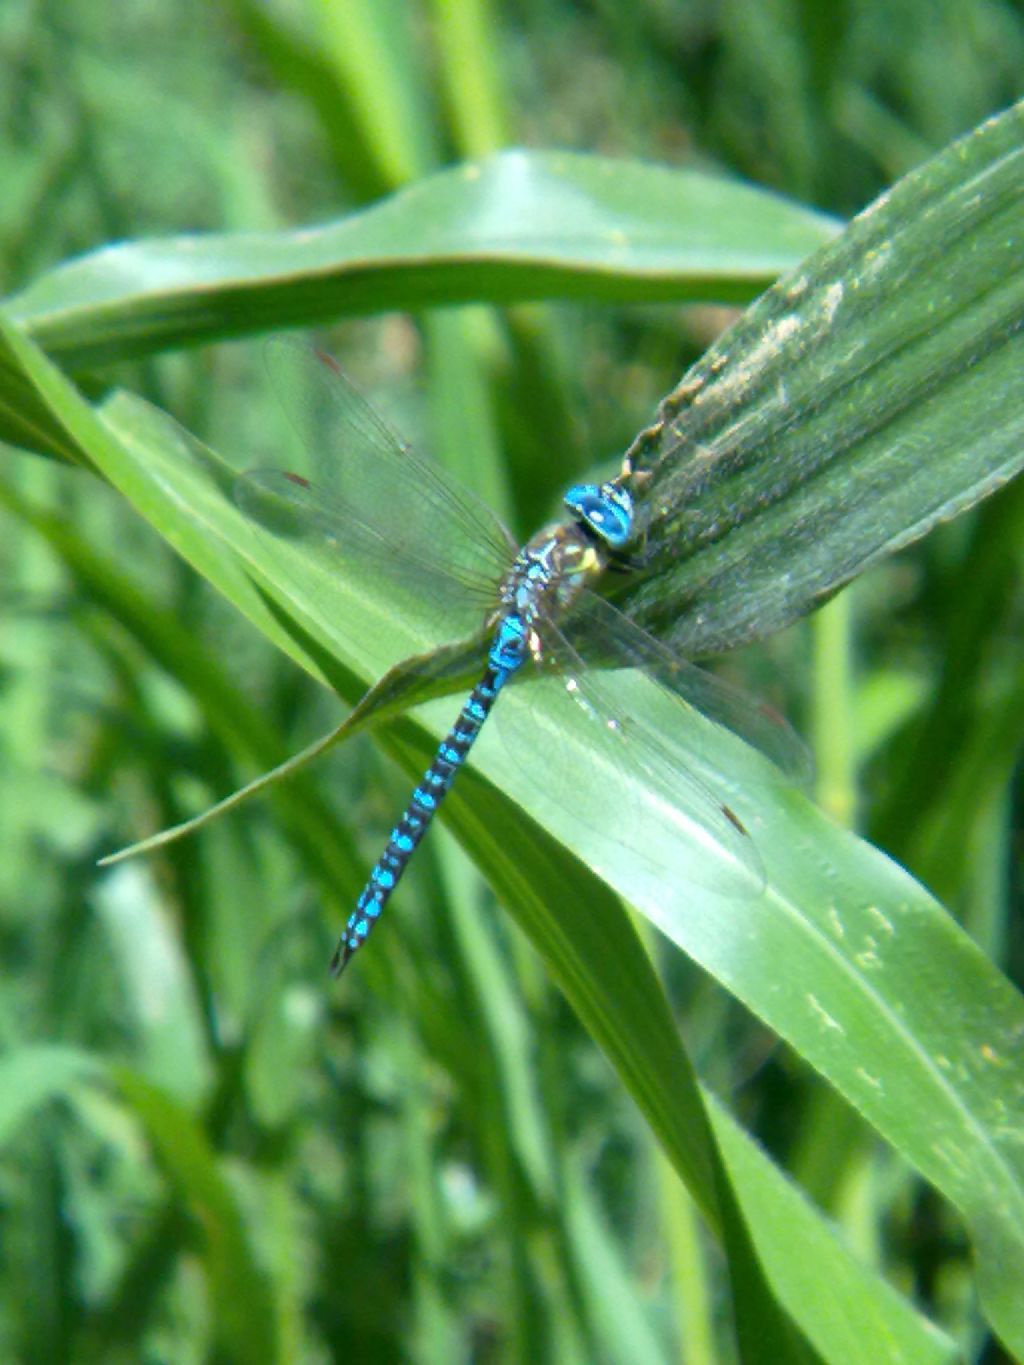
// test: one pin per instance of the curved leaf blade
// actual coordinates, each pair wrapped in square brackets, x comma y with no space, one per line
[519,225]
[876,391]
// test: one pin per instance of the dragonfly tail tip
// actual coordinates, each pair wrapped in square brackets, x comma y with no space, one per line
[340,958]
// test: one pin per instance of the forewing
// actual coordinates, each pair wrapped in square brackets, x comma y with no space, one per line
[286,507]
[407,501]
[361,505]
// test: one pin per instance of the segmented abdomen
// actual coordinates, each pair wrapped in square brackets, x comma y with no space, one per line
[417,816]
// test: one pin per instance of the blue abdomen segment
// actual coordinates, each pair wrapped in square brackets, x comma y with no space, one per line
[506,655]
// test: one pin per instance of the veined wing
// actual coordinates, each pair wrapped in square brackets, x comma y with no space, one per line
[405,501]
[607,747]
[338,547]
[364,507]
[601,635]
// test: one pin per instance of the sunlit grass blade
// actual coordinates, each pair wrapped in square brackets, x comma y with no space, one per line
[869,395]
[520,225]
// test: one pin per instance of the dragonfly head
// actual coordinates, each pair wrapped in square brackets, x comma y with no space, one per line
[607,509]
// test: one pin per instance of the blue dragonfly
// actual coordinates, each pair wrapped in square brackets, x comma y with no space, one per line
[372,511]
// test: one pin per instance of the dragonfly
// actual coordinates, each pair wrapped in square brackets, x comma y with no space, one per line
[372,510]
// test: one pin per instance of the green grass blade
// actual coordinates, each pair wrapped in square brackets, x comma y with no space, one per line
[370,47]
[877,391]
[848,1312]
[520,225]
[244,1313]
[242,1292]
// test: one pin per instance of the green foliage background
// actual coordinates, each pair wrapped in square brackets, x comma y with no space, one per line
[208,1150]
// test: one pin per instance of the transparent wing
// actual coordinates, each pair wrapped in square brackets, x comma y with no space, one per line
[633,782]
[363,505]
[600,634]
[404,499]
[286,506]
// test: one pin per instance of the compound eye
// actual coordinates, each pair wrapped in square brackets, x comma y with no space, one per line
[607,510]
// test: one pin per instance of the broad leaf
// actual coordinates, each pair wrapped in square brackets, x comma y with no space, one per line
[519,225]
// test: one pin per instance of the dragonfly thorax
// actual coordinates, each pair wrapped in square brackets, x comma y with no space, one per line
[549,573]
[555,565]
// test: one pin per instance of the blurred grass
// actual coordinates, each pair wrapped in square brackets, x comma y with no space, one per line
[206,1147]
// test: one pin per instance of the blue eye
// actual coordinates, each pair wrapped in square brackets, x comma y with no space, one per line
[607,509]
